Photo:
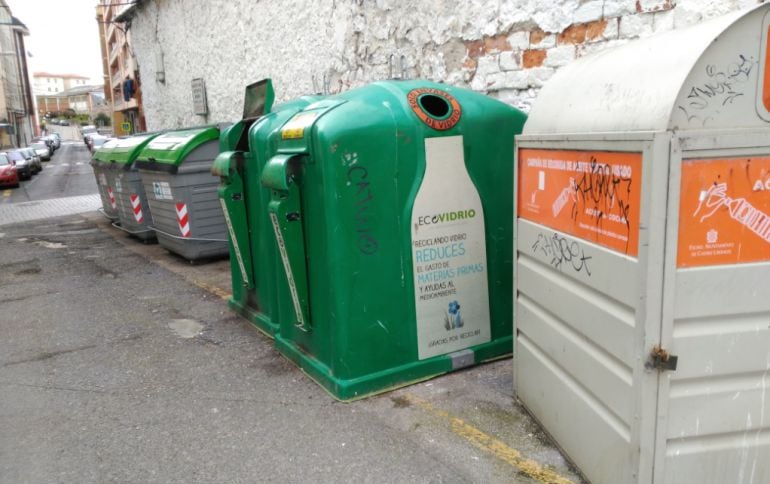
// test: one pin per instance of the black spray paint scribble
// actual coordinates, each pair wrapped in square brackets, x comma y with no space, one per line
[357,180]
[604,193]
[562,252]
[722,87]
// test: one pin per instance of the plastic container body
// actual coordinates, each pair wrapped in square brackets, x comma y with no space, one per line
[390,206]
[175,169]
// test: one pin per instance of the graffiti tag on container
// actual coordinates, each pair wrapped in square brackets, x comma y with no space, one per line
[357,179]
[603,192]
[723,86]
[563,252]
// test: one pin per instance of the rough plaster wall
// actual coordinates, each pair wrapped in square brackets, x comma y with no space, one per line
[506,48]
[230,44]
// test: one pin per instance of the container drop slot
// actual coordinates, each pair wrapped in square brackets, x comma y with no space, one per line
[435,106]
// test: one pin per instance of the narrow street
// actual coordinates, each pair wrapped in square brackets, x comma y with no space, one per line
[122,363]
[67,174]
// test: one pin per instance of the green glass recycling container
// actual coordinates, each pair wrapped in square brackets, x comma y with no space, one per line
[390,206]
[255,264]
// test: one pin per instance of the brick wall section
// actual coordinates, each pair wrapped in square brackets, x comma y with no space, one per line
[505,48]
[519,61]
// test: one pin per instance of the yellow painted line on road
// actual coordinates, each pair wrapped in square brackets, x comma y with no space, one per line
[6,193]
[490,444]
[217,291]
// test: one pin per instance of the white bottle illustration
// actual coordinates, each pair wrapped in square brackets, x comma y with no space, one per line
[449,258]
[739,209]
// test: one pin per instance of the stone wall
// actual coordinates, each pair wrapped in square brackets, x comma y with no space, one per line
[506,48]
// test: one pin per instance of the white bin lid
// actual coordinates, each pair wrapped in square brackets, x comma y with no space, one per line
[711,75]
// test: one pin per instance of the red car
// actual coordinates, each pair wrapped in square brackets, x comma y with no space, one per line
[8,175]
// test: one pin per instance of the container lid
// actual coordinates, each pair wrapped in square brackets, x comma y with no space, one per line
[103,153]
[708,76]
[172,147]
[126,150]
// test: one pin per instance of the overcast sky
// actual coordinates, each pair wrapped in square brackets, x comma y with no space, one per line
[63,36]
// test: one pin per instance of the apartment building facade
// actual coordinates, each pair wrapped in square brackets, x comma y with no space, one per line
[46,83]
[49,88]
[17,112]
[122,86]
[85,99]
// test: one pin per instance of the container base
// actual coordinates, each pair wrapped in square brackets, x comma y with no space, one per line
[192,248]
[109,216]
[257,319]
[145,235]
[392,378]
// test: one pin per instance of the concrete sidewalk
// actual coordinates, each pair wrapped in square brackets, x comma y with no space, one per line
[12,213]
[121,362]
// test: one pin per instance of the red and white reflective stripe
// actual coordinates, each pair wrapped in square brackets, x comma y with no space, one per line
[112,198]
[183,219]
[136,204]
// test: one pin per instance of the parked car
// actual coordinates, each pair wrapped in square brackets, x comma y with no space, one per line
[8,175]
[90,137]
[34,157]
[48,142]
[23,166]
[96,140]
[41,148]
[56,137]
[86,130]
[55,144]
[64,122]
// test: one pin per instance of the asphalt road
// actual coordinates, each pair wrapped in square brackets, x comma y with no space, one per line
[67,132]
[122,363]
[68,174]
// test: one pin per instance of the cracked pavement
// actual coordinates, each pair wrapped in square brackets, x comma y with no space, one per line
[122,363]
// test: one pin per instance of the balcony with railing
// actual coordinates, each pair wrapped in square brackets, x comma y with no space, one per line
[118,104]
[110,33]
[117,78]
[114,52]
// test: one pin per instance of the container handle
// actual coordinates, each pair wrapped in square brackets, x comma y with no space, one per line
[285,210]
[228,166]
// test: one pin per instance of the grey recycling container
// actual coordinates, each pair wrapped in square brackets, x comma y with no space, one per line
[122,174]
[642,257]
[182,193]
[100,164]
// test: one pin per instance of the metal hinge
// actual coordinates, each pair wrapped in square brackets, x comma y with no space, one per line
[661,360]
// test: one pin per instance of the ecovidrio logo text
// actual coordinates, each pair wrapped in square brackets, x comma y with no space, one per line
[446,217]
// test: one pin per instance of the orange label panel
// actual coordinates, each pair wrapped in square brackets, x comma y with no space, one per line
[724,212]
[592,195]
